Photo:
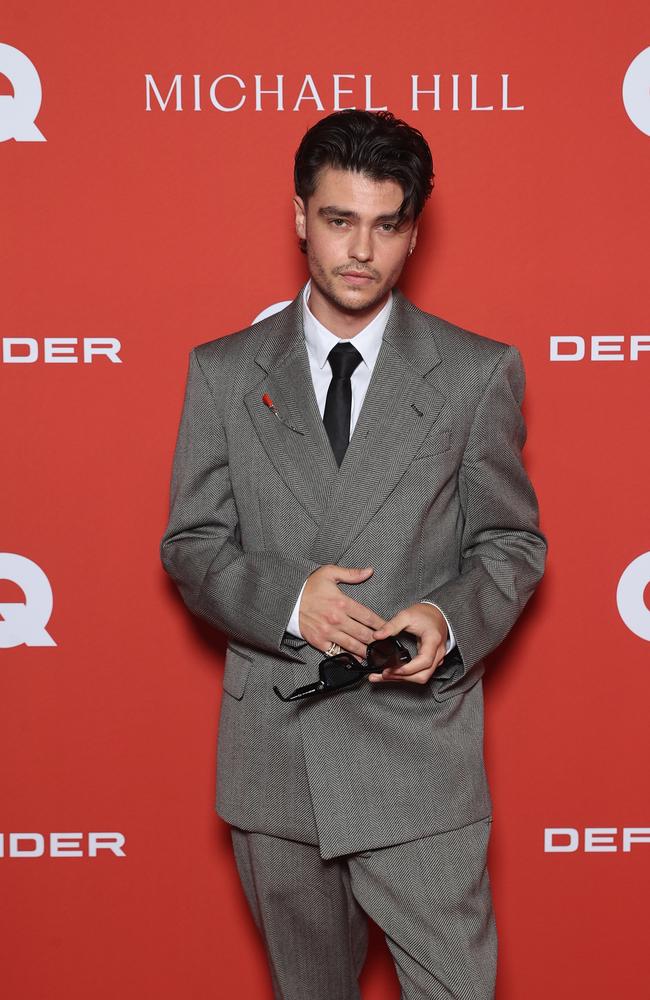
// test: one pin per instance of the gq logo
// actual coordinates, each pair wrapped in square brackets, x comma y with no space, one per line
[25,623]
[636,91]
[630,596]
[18,113]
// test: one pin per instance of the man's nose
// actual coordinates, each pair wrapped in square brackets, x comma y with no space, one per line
[360,246]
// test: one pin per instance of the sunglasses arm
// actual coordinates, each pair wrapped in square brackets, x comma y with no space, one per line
[302,692]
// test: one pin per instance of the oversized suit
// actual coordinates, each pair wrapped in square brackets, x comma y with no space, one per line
[432,493]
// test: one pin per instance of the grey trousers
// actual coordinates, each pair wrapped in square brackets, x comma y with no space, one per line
[431,897]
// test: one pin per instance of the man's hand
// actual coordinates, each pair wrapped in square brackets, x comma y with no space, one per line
[430,627]
[328,615]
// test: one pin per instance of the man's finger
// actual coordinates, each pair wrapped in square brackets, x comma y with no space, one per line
[423,661]
[362,614]
[420,677]
[431,653]
[348,643]
[392,627]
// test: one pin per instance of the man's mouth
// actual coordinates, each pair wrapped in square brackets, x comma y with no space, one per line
[356,277]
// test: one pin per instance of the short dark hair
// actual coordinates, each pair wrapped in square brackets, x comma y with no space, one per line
[371,142]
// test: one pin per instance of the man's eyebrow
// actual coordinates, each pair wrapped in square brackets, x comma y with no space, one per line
[345,213]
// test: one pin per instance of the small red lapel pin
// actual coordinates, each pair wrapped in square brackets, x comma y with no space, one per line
[266,399]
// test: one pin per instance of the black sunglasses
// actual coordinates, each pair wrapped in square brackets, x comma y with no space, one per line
[342,670]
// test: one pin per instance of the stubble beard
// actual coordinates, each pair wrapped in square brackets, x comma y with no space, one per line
[326,285]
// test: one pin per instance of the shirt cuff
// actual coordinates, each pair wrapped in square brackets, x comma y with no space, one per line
[451,642]
[294,627]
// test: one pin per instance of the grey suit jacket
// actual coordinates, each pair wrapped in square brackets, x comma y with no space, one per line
[432,493]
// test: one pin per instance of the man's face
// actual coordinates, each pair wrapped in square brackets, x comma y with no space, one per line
[350,227]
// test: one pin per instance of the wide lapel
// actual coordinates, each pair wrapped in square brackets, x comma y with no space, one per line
[302,456]
[399,409]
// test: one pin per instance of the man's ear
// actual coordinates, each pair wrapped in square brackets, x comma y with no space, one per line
[300,217]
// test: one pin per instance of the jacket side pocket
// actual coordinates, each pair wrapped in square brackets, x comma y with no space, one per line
[236,671]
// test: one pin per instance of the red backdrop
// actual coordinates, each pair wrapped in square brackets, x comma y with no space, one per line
[161,229]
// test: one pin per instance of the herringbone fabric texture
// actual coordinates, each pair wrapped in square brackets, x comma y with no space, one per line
[431,897]
[432,492]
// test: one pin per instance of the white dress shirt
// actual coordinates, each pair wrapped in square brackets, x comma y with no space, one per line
[319,341]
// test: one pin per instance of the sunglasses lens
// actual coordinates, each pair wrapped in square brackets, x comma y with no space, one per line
[384,653]
[342,670]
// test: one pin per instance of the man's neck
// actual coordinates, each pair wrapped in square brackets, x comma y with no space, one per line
[342,323]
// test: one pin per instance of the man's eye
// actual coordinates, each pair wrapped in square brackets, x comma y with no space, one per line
[386,226]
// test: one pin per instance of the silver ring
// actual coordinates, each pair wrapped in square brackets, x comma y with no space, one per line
[333,649]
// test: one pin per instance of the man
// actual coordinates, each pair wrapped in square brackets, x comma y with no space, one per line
[347,470]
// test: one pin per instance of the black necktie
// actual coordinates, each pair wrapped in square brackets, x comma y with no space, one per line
[343,359]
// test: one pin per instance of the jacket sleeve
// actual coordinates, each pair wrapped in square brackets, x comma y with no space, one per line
[503,552]
[249,595]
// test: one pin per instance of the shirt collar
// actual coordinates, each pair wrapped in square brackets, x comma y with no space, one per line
[320,340]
